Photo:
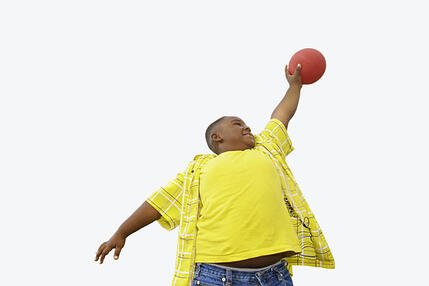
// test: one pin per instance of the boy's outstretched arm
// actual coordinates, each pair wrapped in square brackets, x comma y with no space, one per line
[288,105]
[144,215]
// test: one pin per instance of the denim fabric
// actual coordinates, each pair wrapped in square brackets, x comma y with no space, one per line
[211,275]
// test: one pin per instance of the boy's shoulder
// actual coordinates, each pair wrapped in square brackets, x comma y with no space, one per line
[201,157]
[198,161]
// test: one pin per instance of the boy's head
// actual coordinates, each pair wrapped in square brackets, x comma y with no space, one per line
[229,133]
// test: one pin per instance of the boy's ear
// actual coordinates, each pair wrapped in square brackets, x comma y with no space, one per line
[216,137]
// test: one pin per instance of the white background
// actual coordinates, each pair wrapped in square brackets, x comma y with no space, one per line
[102,102]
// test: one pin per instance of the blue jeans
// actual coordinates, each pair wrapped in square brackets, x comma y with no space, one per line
[219,275]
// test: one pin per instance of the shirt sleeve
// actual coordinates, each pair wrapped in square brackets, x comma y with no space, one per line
[276,134]
[168,202]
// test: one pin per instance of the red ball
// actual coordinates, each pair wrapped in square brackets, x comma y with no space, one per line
[313,65]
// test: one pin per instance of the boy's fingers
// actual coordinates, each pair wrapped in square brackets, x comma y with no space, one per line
[99,251]
[287,71]
[102,257]
[298,68]
[117,252]
[104,253]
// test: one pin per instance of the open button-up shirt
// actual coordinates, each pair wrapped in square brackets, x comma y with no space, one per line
[179,203]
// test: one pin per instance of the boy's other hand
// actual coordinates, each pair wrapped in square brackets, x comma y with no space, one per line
[116,242]
[294,79]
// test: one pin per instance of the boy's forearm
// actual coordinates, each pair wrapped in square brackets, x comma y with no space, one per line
[143,216]
[286,109]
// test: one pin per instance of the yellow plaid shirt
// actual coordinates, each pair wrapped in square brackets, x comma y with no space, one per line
[178,202]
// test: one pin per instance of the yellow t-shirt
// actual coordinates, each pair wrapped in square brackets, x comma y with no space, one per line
[243,213]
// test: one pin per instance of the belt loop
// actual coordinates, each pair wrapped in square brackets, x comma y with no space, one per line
[197,269]
[285,262]
[228,277]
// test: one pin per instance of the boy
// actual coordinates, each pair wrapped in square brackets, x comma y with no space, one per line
[242,217]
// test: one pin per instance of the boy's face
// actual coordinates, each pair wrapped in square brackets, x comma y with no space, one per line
[236,134]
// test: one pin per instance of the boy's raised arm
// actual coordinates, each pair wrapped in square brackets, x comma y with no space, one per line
[288,105]
[144,215]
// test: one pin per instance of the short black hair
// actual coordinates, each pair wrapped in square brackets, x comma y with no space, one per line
[209,131]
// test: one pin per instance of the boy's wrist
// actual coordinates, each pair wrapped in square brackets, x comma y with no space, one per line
[295,86]
[121,234]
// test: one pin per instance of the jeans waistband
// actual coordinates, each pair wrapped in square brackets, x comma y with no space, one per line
[214,268]
[227,275]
